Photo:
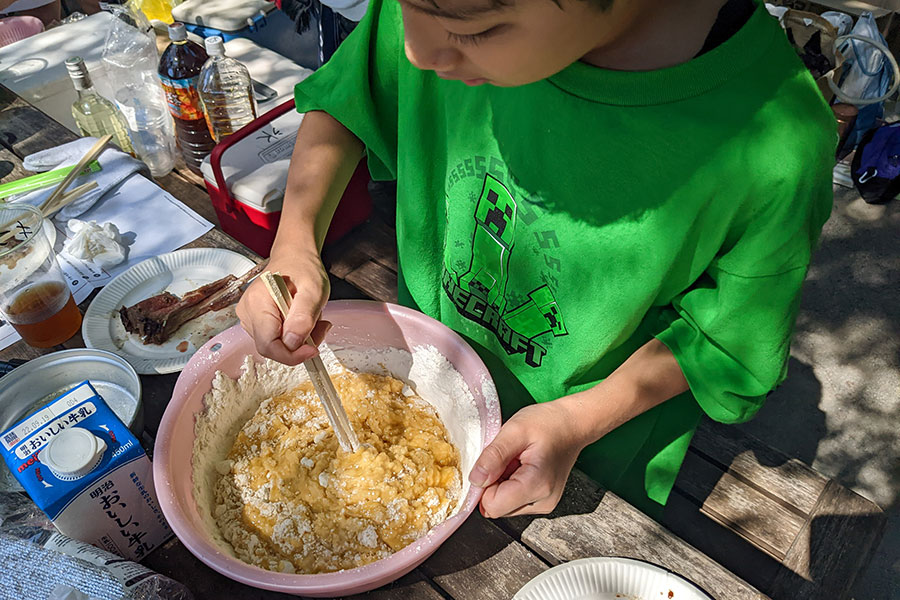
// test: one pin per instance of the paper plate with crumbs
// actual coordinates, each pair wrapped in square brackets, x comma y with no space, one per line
[177,273]
[607,578]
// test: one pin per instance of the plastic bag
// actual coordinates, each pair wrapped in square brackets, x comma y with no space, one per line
[870,75]
[66,592]
[842,22]
[17,511]
[35,562]
[131,61]
[130,47]
[867,73]
[776,11]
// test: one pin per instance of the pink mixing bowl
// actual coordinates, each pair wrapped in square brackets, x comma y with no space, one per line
[358,325]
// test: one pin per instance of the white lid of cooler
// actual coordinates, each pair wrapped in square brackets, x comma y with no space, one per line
[73,453]
[224,15]
[266,66]
[256,168]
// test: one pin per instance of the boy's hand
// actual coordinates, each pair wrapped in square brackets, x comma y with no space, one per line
[283,339]
[524,470]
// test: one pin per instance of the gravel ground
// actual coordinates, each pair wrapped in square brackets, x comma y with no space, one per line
[839,409]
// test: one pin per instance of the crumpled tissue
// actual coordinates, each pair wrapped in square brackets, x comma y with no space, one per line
[100,244]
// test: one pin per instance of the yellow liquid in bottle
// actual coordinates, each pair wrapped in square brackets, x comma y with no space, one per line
[96,116]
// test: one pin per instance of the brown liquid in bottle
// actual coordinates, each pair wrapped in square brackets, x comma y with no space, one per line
[42,317]
[179,68]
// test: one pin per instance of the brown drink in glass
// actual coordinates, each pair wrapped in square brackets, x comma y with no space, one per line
[34,297]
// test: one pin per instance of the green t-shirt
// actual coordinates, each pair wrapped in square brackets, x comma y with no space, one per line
[560,225]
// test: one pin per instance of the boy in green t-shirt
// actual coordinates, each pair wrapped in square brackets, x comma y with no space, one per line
[614,201]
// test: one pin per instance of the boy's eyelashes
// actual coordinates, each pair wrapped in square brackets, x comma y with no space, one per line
[474,38]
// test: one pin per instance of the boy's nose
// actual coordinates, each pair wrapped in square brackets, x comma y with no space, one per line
[431,57]
[426,44]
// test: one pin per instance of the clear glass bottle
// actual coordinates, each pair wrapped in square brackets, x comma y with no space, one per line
[95,115]
[226,91]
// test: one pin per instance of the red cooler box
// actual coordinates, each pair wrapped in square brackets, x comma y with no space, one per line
[246,175]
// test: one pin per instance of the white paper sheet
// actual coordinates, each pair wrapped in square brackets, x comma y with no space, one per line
[151,221]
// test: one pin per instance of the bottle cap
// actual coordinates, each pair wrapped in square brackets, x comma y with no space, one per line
[78,72]
[73,453]
[215,45]
[177,32]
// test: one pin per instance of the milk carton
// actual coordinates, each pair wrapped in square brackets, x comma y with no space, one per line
[83,467]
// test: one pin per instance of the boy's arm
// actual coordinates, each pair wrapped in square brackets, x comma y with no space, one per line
[524,470]
[325,156]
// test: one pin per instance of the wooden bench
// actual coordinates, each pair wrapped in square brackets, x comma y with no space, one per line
[750,510]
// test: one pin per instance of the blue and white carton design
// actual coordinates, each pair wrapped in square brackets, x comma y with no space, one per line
[89,474]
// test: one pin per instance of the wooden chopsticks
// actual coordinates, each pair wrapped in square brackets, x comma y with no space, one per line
[93,153]
[318,374]
[63,200]
[59,198]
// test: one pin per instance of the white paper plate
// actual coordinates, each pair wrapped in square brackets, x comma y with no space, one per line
[609,579]
[176,272]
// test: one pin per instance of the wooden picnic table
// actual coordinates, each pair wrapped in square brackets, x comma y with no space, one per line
[744,521]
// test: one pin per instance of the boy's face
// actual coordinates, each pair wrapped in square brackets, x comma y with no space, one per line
[510,43]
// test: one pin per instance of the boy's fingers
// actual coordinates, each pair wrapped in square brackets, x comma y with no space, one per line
[494,459]
[514,494]
[267,325]
[298,324]
[320,331]
[278,352]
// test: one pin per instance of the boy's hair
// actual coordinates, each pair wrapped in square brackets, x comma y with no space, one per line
[601,4]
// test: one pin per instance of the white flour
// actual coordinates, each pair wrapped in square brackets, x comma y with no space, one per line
[230,404]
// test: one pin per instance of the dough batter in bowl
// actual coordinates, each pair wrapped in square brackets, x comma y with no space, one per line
[225,382]
[276,491]
[291,500]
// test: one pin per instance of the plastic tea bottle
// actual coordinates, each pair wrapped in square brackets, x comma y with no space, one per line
[226,91]
[95,115]
[179,70]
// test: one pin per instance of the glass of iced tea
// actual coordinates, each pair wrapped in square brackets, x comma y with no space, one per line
[34,297]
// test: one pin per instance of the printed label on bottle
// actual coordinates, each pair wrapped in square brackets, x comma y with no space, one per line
[183,98]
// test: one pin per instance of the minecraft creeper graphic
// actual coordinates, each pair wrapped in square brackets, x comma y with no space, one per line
[492,242]
[538,315]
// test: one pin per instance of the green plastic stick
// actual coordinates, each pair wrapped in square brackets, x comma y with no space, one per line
[42,180]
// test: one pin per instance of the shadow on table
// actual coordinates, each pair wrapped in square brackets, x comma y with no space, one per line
[791,415]
[6,168]
[702,497]
[25,130]
[175,561]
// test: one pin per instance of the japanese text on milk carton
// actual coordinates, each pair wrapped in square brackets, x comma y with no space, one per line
[83,467]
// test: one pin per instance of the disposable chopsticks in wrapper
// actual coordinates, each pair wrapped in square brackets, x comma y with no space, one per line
[321,381]
[59,198]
